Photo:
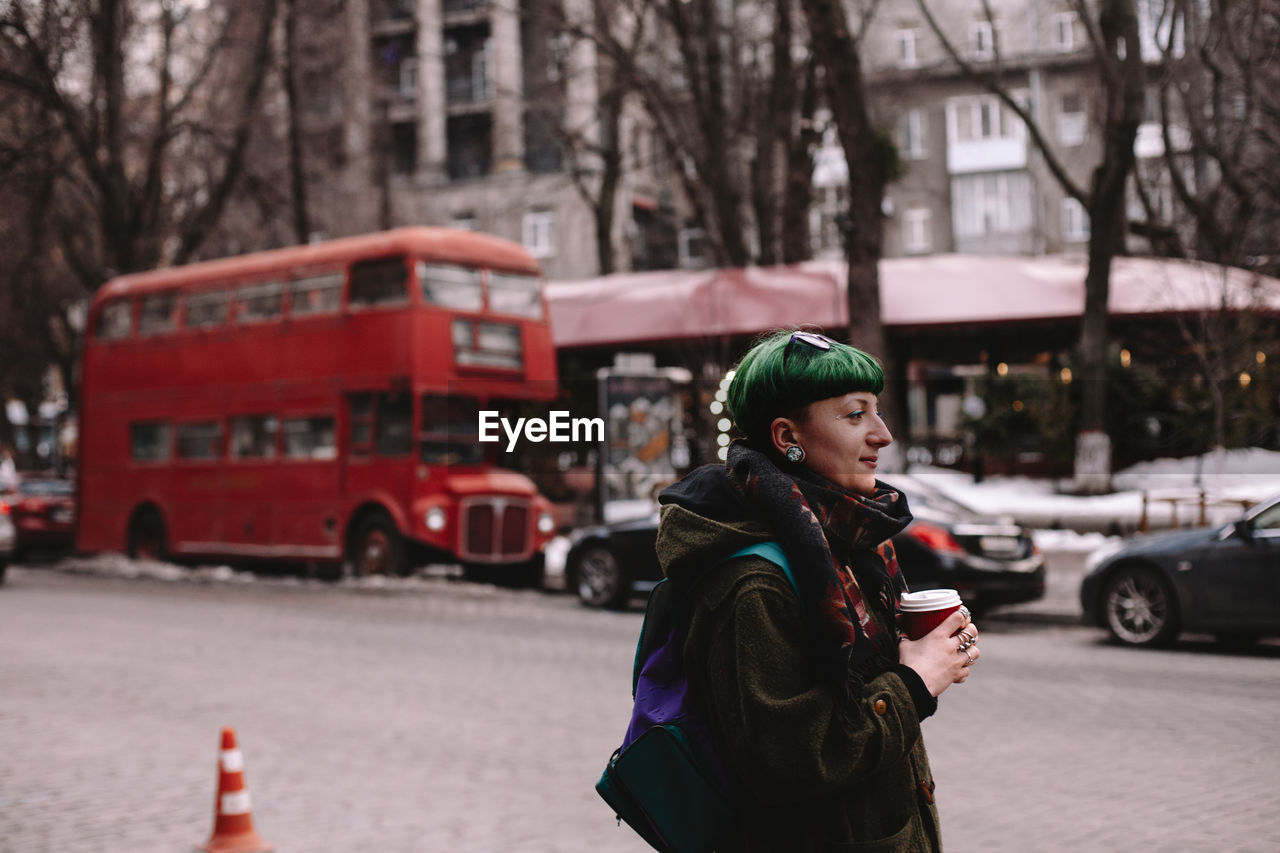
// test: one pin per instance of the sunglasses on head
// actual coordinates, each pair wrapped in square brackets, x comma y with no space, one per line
[813,339]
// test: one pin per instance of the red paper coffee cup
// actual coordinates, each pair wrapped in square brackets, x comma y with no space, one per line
[925,610]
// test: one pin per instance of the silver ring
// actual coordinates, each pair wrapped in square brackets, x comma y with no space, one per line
[969,656]
[967,638]
[967,615]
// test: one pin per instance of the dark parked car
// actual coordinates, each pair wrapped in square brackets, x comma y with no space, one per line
[1220,580]
[7,536]
[43,511]
[990,561]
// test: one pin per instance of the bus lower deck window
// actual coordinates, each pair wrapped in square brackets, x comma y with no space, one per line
[149,442]
[309,438]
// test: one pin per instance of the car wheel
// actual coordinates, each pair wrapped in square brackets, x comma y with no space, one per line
[1139,608]
[599,578]
[377,548]
[148,539]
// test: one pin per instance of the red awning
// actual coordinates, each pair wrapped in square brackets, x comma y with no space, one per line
[938,289]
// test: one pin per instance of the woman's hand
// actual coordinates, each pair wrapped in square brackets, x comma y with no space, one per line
[938,658]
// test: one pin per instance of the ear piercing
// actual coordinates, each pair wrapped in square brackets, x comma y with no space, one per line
[795,454]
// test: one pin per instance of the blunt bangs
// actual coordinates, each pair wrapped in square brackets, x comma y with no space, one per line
[778,376]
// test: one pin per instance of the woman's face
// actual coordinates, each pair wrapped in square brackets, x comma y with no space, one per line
[841,438]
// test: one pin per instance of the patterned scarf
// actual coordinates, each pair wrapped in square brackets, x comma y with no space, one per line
[838,542]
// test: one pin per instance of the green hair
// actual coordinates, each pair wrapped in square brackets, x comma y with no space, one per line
[777,378]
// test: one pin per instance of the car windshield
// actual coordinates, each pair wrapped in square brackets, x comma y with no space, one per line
[1267,517]
[46,488]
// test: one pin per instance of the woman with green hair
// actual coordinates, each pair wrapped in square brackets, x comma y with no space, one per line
[813,697]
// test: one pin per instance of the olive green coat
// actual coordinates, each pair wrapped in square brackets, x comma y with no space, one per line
[815,779]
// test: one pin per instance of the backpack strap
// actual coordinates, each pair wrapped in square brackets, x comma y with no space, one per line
[772,552]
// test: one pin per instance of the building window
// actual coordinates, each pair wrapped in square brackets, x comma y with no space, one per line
[540,233]
[1063,31]
[906,40]
[1072,120]
[982,37]
[911,135]
[408,77]
[978,119]
[917,235]
[826,216]
[692,248]
[1075,221]
[991,203]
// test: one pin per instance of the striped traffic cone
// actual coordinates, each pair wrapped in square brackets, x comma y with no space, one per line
[233,830]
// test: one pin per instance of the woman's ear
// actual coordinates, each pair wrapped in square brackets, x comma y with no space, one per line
[782,434]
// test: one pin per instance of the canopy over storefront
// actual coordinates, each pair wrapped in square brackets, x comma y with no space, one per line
[629,308]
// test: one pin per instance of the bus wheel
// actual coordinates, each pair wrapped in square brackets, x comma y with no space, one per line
[377,549]
[147,539]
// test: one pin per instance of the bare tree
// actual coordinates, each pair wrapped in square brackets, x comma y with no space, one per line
[718,84]
[1214,193]
[1112,27]
[872,163]
[155,104]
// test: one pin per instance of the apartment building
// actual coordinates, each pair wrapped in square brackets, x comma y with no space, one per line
[484,114]
[973,180]
[479,114]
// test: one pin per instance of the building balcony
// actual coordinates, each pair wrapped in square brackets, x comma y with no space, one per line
[987,155]
[391,17]
[467,91]
[457,12]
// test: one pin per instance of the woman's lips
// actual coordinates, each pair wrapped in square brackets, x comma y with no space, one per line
[870,460]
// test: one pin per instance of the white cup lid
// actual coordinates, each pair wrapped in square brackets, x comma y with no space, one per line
[928,599]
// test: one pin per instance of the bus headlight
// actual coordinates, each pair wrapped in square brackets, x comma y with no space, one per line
[435,519]
[546,522]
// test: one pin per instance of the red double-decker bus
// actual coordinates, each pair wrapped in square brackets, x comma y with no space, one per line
[318,404]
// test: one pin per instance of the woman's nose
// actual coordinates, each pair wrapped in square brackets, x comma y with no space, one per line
[880,436]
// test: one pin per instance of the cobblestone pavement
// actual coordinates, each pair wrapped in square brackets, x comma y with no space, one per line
[445,716]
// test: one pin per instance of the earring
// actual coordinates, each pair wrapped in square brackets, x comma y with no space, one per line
[795,454]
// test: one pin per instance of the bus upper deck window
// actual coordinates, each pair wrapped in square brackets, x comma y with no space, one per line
[205,310]
[157,314]
[115,320]
[515,294]
[379,282]
[315,294]
[257,303]
[450,287]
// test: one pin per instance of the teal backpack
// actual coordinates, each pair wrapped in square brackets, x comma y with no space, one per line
[668,780]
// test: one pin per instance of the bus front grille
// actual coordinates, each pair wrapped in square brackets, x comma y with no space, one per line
[496,530]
